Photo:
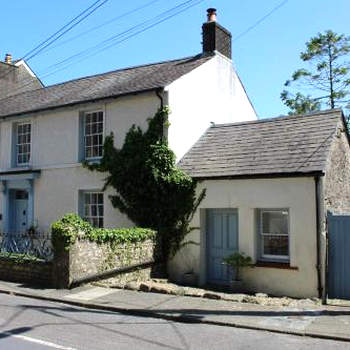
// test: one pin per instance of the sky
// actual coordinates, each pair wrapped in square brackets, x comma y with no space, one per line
[264,57]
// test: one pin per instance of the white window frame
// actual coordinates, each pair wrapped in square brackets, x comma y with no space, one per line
[85,114]
[270,257]
[89,218]
[21,144]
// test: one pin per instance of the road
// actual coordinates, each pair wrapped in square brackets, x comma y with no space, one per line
[29,324]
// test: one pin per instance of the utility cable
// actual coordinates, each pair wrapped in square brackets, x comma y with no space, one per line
[260,20]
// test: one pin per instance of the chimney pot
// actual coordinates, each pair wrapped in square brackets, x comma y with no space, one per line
[211,15]
[8,58]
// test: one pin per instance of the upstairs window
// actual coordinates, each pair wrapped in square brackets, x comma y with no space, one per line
[23,143]
[93,135]
[93,208]
[274,235]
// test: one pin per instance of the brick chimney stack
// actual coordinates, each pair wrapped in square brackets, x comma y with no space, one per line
[216,37]
[8,58]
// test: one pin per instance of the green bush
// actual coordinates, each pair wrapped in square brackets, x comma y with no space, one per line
[71,227]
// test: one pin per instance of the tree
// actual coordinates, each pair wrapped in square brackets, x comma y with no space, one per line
[149,188]
[328,76]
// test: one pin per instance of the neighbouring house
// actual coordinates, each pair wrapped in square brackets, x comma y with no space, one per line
[48,132]
[16,77]
[269,185]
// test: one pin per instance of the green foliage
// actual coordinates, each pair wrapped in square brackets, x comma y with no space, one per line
[19,258]
[237,261]
[328,75]
[149,188]
[300,104]
[71,227]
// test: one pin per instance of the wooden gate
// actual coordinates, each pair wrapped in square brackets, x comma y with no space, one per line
[338,256]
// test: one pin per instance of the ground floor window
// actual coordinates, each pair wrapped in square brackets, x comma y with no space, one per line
[274,234]
[93,208]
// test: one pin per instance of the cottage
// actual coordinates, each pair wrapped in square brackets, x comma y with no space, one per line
[269,185]
[47,133]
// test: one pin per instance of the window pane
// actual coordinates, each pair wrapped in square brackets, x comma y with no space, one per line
[275,245]
[93,134]
[93,208]
[23,143]
[275,222]
[88,153]
[88,141]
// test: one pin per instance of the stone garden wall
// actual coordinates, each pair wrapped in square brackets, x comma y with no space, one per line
[26,271]
[86,258]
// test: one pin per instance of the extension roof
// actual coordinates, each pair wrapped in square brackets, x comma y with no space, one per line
[279,146]
[101,86]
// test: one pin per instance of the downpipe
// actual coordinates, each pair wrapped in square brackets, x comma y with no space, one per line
[318,236]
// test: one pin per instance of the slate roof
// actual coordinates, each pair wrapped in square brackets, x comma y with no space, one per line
[111,84]
[282,145]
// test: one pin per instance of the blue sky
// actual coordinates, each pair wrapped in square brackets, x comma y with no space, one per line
[264,58]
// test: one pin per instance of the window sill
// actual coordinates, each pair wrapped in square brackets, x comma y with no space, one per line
[92,161]
[276,265]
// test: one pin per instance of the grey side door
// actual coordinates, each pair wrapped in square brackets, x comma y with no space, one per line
[222,240]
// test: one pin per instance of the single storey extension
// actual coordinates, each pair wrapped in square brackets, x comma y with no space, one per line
[269,184]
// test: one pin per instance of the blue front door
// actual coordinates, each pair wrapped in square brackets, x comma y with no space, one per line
[20,223]
[222,240]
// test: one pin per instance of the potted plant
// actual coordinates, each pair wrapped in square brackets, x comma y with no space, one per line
[236,261]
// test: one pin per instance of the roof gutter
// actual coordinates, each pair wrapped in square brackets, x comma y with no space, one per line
[259,176]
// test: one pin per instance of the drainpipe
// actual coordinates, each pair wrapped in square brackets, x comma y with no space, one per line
[318,235]
[163,96]
[160,94]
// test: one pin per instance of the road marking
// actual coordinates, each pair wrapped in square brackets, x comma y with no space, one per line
[38,341]
[89,294]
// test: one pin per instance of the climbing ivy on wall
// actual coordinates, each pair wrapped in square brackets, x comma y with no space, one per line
[149,188]
[71,227]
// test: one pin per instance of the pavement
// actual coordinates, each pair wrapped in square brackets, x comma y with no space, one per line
[321,321]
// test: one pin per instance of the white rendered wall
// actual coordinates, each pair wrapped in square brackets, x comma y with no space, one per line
[55,150]
[296,194]
[55,134]
[209,93]
[57,193]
